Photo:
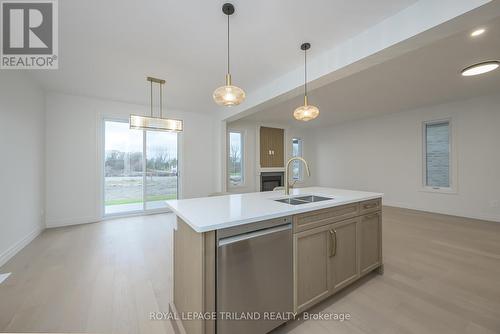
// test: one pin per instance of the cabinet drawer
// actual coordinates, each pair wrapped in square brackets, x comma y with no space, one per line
[308,220]
[370,206]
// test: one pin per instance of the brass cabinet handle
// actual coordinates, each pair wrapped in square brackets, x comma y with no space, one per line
[333,243]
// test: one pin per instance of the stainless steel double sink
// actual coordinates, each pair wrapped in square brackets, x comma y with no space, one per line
[303,199]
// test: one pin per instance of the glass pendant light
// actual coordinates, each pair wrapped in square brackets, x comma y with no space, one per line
[228,95]
[152,123]
[306,112]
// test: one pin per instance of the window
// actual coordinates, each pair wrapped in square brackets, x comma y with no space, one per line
[235,159]
[297,165]
[437,154]
[140,168]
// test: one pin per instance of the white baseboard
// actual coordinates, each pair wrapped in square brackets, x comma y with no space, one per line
[492,218]
[90,220]
[74,221]
[14,249]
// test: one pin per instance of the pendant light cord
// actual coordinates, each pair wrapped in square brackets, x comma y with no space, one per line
[228,45]
[151,91]
[161,100]
[305,72]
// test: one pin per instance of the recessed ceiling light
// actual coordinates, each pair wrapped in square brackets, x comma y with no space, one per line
[480,68]
[478,32]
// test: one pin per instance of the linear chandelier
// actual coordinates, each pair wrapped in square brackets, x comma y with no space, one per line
[152,123]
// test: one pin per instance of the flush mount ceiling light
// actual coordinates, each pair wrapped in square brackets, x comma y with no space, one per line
[478,32]
[306,112]
[152,123]
[480,68]
[228,95]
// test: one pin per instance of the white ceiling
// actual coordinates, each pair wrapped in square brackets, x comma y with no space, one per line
[426,76]
[107,48]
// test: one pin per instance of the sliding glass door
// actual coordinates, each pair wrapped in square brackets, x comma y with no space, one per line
[161,168]
[140,169]
[123,169]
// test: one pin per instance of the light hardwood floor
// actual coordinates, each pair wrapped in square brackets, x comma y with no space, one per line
[100,278]
[442,275]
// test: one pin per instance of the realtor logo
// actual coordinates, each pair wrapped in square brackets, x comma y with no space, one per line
[29,34]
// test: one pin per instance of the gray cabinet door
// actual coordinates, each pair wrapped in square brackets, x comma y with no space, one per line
[343,254]
[311,267]
[329,257]
[370,230]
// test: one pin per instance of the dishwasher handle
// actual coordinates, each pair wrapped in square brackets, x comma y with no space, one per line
[256,234]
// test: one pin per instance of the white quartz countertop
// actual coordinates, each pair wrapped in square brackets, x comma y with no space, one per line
[214,213]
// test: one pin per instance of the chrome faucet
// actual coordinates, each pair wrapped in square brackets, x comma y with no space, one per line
[287,184]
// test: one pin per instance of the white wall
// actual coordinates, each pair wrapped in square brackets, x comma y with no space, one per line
[22,162]
[250,129]
[74,152]
[385,154]
[220,158]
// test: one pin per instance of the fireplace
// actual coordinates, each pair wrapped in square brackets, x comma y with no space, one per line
[271,180]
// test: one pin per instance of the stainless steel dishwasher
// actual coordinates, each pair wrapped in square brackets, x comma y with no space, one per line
[254,276]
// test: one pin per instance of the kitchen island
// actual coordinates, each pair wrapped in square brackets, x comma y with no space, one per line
[240,258]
